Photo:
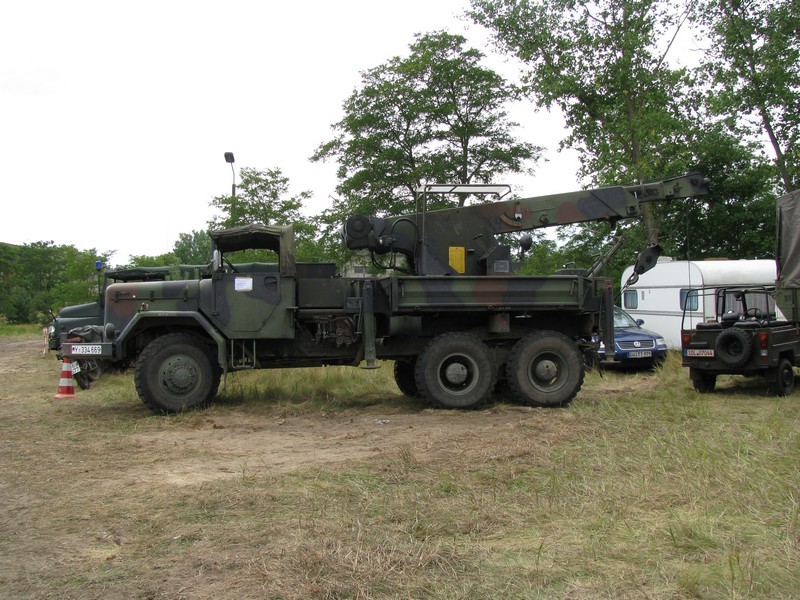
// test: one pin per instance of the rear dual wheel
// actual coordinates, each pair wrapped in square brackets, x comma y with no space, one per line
[455,370]
[545,369]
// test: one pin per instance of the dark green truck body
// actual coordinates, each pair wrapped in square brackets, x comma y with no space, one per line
[453,324]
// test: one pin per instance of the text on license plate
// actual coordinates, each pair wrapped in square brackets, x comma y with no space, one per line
[87,349]
[76,368]
[640,354]
[706,352]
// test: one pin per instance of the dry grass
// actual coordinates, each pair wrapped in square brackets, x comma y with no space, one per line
[641,489]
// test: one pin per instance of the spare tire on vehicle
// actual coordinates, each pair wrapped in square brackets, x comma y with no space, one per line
[734,347]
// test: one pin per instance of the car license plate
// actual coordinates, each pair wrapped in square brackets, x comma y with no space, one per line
[87,349]
[704,352]
[640,354]
[76,368]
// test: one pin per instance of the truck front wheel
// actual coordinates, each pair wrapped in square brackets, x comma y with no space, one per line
[456,370]
[176,372]
[545,369]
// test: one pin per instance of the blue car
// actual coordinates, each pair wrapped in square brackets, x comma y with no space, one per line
[634,346]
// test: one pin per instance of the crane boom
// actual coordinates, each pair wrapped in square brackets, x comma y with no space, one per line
[462,241]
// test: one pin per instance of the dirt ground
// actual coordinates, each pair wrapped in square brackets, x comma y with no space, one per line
[62,461]
[231,441]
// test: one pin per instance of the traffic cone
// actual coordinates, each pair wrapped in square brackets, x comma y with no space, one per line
[66,388]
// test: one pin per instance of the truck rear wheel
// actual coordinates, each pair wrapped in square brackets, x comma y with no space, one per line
[456,370]
[176,372]
[783,385]
[404,377]
[545,369]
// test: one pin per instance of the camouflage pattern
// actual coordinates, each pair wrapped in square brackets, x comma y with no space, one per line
[91,313]
[288,314]
[462,241]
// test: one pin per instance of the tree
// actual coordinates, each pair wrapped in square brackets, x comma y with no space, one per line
[192,248]
[263,197]
[79,278]
[436,115]
[753,57]
[603,64]
[44,277]
[8,260]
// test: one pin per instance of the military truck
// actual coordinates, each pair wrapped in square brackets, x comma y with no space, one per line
[757,328]
[90,314]
[449,314]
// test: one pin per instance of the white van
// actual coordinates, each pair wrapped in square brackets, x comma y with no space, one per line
[658,297]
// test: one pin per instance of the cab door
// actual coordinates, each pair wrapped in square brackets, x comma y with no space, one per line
[252,305]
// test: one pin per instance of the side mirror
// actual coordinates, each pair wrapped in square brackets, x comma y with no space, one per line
[216,261]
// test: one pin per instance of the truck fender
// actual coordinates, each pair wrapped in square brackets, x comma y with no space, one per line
[136,324]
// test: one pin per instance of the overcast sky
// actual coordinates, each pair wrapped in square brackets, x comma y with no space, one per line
[114,117]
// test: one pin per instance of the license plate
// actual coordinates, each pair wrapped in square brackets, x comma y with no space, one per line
[640,354]
[87,349]
[703,352]
[76,368]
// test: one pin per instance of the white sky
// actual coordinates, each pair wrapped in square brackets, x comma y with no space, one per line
[114,117]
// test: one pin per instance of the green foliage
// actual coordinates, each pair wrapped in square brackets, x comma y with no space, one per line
[8,257]
[544,257]
[738,219]
[142,260]
[600,63]
[41,277]
[436,115]
[264,197]
[192,248]
[753,59]
[634,118]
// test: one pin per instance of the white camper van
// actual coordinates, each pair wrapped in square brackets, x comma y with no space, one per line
[659,295]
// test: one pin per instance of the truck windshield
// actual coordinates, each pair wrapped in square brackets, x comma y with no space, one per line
[736,300]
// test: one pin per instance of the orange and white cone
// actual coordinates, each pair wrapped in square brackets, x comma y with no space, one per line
[66,387]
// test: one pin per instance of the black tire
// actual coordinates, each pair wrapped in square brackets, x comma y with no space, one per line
[703,382]
[176,372]
[783,385]
[456,370]
[83,380]
[404,377]
[93,369]
[546,369]
[734,347]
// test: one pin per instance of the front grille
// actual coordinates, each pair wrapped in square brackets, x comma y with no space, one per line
[642,345]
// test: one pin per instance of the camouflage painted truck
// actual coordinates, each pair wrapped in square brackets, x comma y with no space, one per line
[757,328]
[450,315]
[90,314]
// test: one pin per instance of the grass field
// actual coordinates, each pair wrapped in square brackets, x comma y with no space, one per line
[327,483]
